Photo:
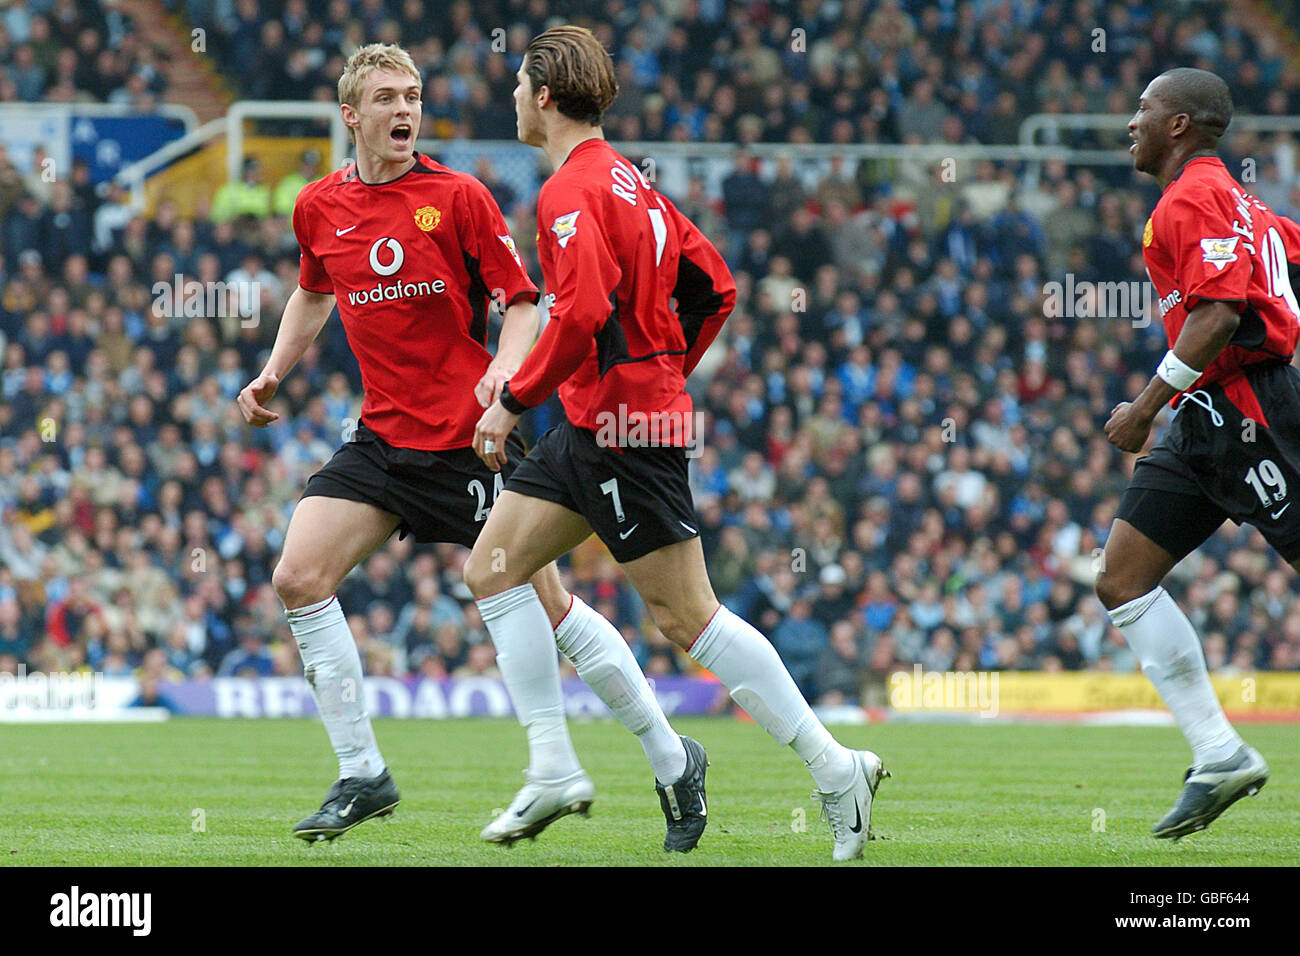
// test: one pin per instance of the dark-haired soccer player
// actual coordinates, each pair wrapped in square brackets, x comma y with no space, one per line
[409,249]
[1220,261]
[616,255]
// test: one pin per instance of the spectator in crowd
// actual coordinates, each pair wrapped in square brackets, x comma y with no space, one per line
[800,639]
[839,675]
[745,199]
[246,196]
[287,189]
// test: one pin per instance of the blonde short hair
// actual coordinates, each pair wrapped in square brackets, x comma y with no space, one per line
[364,61]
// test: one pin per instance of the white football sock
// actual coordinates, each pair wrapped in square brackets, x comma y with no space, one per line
[530,668]
[747,663]
[332,666]
[1170,654]
[605,663]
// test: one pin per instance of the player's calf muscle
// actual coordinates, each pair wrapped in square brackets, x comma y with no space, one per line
[674,583]
[681,625]
[551,592]
[681,617]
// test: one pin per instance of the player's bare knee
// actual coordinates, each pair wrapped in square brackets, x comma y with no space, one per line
[297,586]
[486,575]
[1101,587]
[1107,591]
[475,576]
[1115,590]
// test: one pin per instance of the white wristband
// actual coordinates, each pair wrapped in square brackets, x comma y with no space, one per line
[1177,372]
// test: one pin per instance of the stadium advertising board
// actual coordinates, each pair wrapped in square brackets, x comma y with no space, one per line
[1024,695]
[414,697]
[1265,695]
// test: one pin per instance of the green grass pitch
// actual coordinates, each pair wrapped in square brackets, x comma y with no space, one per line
[200,792]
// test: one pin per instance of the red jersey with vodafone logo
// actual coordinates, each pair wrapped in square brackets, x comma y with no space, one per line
[1210,239]
[616,256]
[414,264]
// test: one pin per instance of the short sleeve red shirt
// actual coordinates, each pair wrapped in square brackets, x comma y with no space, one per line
[414,264]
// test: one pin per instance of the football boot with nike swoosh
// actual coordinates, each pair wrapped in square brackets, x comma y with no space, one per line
[351,800]
[849,811]
[683,802]
[537,805]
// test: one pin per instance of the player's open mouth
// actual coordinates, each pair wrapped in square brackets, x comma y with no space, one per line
[401,135]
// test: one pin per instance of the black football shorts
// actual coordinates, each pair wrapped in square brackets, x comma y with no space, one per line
[637,500]
[1214,464]
[438,495]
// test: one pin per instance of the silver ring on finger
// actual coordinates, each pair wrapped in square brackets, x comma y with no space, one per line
[489,446]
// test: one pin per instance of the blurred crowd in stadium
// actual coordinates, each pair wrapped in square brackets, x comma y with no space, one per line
[903,458]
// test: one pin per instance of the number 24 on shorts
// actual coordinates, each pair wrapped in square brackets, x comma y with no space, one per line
[475,488]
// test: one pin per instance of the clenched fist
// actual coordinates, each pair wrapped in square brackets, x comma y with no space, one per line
[1127,430]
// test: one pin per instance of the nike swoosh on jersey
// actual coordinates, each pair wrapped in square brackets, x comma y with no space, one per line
[622,535]
[1277,514]
[339,232]
[686,526]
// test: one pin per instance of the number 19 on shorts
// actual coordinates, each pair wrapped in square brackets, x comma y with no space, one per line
[1269,483]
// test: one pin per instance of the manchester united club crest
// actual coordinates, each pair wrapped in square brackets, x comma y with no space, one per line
[427,218]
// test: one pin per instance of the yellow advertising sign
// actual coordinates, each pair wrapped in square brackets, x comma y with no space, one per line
[993,692]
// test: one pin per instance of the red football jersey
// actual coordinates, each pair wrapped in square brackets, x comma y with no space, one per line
[1210,239]
[414,264]
[615,254]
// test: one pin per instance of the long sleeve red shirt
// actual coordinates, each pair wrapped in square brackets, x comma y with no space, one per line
[636,294]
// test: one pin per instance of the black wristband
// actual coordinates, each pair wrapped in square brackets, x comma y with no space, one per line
[511,404]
